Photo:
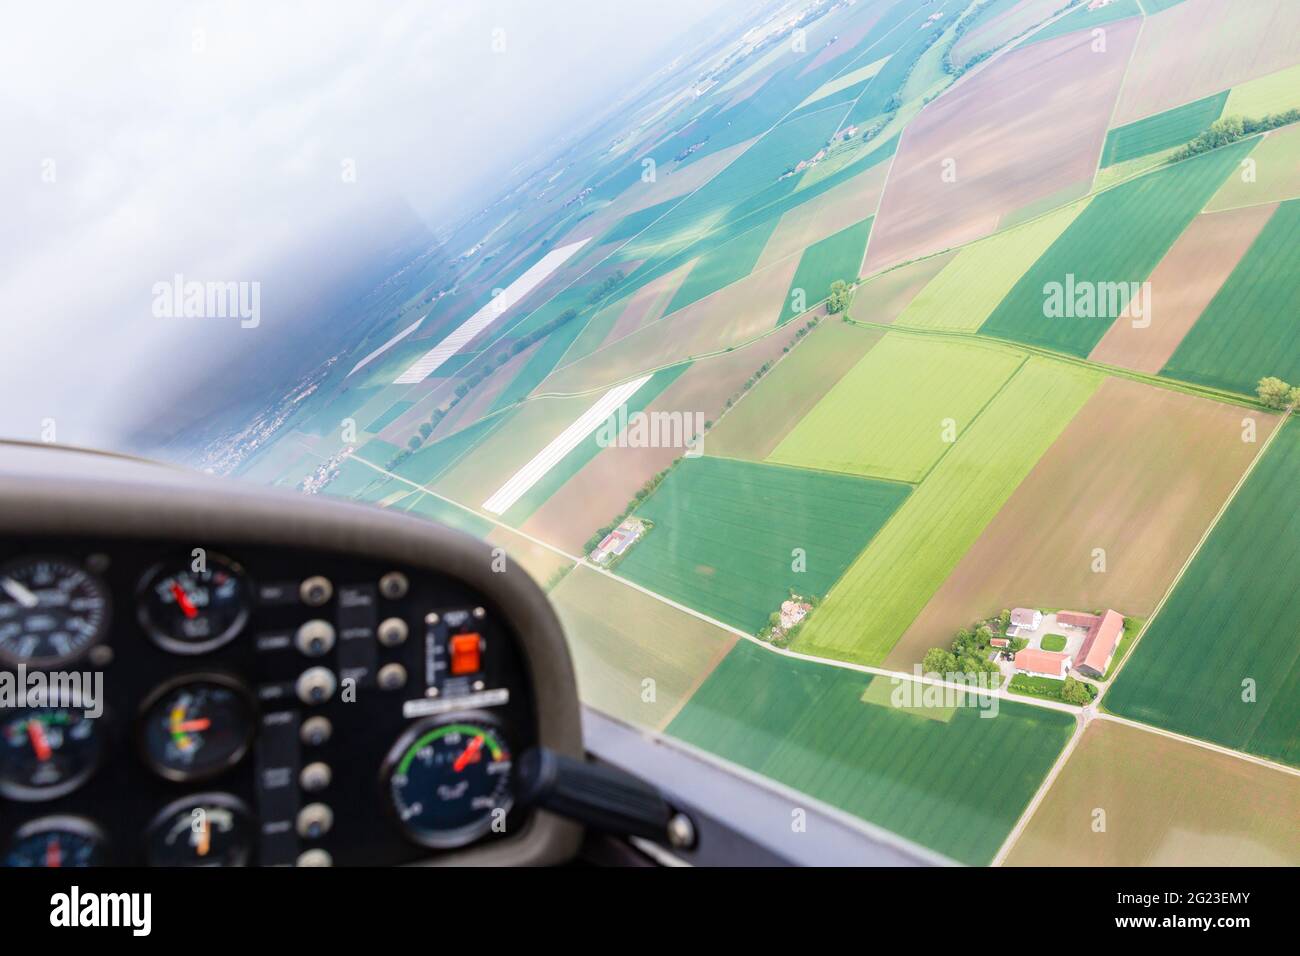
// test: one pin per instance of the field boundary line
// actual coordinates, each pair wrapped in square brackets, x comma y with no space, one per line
[1018,830]
[1203,744]
[1209,530]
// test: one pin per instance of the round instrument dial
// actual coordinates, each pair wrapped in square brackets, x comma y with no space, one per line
[51,611]
[449,780]
[62,841]
[208,829]
[196,728]
[190,611]
[46,752]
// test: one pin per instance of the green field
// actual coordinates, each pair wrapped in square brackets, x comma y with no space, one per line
[428,506]
[1250,330]
[1275,93]
[377,452]
[838,256]
[970,287]
[1274,177]
[1119,238]
[722,266]
[755,426]
[620,637]
[1084,19]
[726,533]
[393,413]
[956,785]
[1182,124]
[889,416]
[889,584]
[432,460]
[1231,622]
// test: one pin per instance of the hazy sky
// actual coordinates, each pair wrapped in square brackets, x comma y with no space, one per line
[210,139]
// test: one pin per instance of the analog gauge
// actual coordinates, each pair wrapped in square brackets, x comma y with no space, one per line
[197,727]
[57,841]
[46,752]
[208,829]
[449,780]
[192,612]
[51,611]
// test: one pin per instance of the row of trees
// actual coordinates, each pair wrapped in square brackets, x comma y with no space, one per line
[1232,128]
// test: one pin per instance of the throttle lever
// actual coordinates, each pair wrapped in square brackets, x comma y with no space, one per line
[602,797]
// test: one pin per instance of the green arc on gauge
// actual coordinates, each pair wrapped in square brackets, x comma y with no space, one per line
[498,752]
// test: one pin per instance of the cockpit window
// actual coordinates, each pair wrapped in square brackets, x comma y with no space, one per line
[894,397]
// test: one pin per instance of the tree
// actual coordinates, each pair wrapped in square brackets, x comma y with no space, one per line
[841,293]
[1075,692]
[425,429]
[1275,393]
[939,661]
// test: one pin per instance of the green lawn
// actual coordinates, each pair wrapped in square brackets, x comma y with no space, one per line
[838,256]
[1053,642]
[883,591]
[900,408]
[1182,124]
[1231,625]
[1044,688]
[1250,329]
[952,781]
[728,533]
[1118,238]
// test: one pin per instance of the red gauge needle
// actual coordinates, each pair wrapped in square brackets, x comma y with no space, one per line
[36,731]
[183,600]
[192,726]
[53,854]
[469,754]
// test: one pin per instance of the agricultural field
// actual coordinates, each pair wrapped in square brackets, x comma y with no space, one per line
[954,782]
[621,637]
[1003,23]
[1162,131]
[916,551]
[970,286]
[1249,329]
[1166,803]
[900,409]
[836,257]
[837,208]
[1198,48]
[1120,237]
[948,185]
[1229,615]
[1162,464]
[1182,285]
[603,486]
[726,534]
[1275,93]
[952,445]
[880,299]
[753,428]
[1275,175]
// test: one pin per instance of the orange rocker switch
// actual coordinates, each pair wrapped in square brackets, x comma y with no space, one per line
[465,654]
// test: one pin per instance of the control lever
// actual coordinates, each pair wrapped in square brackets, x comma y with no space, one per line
[601,797]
